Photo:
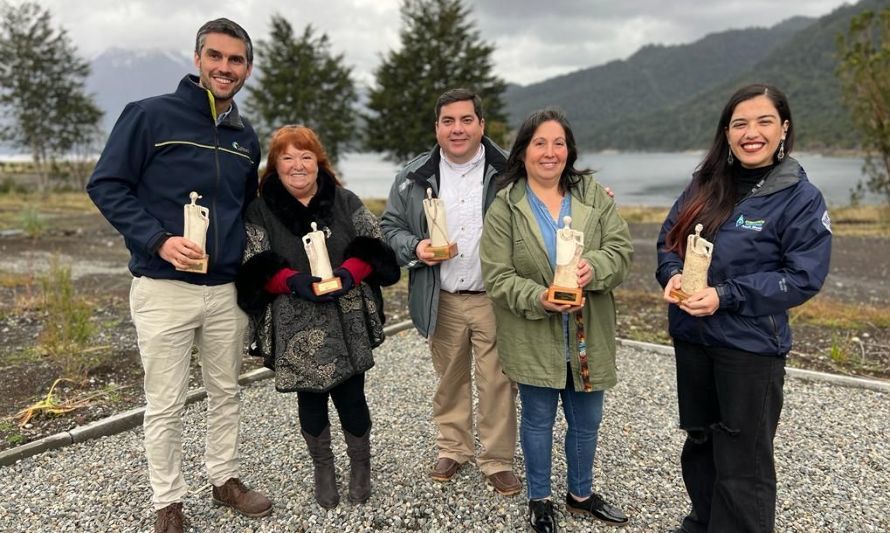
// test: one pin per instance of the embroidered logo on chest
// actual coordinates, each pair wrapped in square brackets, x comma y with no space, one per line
[240,148]
[748,224]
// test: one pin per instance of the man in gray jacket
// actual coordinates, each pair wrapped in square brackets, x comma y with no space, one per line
[447,300]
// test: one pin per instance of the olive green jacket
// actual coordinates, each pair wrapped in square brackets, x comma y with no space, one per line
[516,271]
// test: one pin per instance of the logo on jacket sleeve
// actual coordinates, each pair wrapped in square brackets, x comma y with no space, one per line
[240,148]
[753,225]
[826,221]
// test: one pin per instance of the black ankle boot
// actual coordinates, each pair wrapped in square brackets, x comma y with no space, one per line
[323,461]
[541,516]
[359,451]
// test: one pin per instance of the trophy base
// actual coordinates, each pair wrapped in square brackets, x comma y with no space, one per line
[327,285]
[199,266]
[565,295]
[679,294]
[442,253]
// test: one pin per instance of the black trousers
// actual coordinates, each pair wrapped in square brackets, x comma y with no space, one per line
[349,399]
[730,402]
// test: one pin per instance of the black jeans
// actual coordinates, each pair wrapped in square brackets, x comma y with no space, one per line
[730,402]
[349,399]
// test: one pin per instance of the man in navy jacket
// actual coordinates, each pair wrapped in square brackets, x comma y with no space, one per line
[160,151]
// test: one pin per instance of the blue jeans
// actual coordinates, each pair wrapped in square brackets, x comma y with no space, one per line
[583,412]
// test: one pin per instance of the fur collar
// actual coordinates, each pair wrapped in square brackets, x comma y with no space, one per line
[293,214]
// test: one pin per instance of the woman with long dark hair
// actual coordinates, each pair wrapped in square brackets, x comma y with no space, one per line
[555,351]
[771,238]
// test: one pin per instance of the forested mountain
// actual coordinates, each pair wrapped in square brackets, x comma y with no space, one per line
[669,97]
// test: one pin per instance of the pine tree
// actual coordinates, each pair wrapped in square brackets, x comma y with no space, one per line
[864,70]
[42,90]
[441,50]
[301,82]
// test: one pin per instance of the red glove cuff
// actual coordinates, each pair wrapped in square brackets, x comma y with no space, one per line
[277,284]
[358,268]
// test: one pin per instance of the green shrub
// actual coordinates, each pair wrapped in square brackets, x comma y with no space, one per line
[33,223]
[67,329]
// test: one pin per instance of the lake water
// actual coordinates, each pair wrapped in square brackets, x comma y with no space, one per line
[651,179]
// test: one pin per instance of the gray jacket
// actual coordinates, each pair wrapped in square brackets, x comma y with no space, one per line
[404,225]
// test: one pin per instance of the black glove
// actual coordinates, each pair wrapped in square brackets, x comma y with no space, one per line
[346,281]
[300,284]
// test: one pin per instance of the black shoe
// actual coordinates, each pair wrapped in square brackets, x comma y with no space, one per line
[541,516]
[598,507]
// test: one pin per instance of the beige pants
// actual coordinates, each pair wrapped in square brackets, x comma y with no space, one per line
[465,336]
[170,317]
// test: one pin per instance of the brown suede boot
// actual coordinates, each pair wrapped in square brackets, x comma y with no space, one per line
[325,476]
[248,502]
[169,519]
[359,451]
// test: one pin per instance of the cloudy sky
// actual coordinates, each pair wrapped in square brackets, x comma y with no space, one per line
[535,39]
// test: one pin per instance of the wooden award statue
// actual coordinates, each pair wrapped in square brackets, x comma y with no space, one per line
[569,244]
[434,208]
[194,228]
[695,266]
[319,262]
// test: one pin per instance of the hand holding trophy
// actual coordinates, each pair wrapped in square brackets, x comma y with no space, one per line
[196,220]
[319,262]
[569,244]
[434,209]
[695,266]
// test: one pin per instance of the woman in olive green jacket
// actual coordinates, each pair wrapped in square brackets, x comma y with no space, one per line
[555,351]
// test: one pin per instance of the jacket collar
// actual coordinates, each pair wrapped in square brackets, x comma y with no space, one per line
[786,174]
[428,173]
[200,98]
[293,214]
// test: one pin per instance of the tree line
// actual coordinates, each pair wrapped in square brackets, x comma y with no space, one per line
[301,80]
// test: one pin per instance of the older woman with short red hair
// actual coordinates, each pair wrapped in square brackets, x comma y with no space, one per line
[318,345]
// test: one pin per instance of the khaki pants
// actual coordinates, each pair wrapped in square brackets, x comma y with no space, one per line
[465,336]
[170,317]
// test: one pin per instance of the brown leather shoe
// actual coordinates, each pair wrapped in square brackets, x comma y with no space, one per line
[444,469]
[248,502]
[169,519]
[505,483]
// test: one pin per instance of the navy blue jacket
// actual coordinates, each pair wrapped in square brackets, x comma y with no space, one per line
[770,255]
[161,149]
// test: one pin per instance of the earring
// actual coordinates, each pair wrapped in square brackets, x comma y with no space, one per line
[781,155]
[729,159]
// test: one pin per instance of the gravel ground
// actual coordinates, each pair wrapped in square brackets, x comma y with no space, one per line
[833,463]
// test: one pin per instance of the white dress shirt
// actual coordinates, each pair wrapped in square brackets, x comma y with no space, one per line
[460,188]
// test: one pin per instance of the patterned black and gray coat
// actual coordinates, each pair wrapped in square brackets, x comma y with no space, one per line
[313,346]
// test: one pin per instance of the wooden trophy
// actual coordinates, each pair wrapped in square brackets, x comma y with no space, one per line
[194,228]
[320,263]
[569,244]
[434,208]
[695,266]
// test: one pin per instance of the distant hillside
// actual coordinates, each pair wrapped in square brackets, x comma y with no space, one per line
[669,97]
[804,67]
[655,77]
[119,77]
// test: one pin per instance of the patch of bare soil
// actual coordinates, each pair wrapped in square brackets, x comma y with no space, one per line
[97,258]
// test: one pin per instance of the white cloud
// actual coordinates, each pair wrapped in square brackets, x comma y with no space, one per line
[534,39]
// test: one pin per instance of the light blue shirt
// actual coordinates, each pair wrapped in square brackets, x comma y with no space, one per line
[548,228]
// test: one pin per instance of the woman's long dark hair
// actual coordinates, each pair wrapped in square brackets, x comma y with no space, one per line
[711,193]
[515,169]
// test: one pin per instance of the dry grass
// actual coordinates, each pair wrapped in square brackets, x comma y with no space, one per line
[643,214]
[10,280]
[826,312]
[375,205]
[56,202]
[864,220]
